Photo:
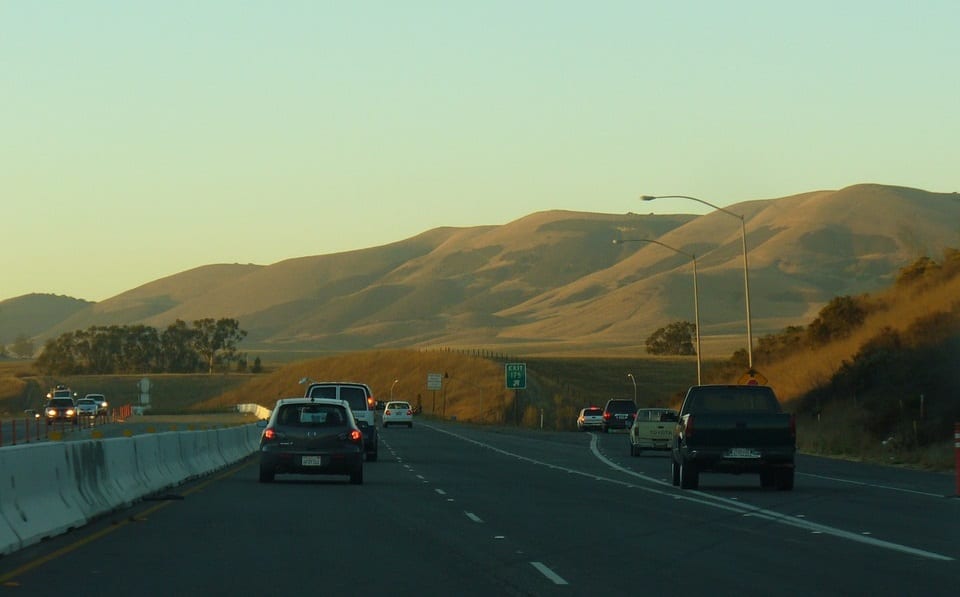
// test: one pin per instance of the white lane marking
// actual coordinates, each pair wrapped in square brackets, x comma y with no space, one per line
[709,500]
[440,491]
[473,516]
[550,574]
[873,485]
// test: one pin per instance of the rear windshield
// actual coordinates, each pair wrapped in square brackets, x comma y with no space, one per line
[355,395]
[398,405]
[86,401]
[621,406]
[312,415]
[593,412]
[733,399]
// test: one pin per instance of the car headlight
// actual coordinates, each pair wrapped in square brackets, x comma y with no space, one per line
[51,413]
[70,412]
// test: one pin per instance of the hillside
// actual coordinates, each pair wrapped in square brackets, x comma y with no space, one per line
[552,282]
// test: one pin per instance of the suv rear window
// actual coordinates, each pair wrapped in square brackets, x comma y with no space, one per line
[357,397]
[592,412]
[621,406]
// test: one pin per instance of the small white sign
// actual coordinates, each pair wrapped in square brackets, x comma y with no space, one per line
[434,381]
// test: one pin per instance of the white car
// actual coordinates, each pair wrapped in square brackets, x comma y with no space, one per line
[590,417]
[397,413]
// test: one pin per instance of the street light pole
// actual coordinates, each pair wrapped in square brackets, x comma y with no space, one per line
[746,275]
[391,388]
[633,379]
[696,299]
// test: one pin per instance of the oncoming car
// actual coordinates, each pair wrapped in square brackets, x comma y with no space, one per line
[311,436]
[590,417]
[397,413]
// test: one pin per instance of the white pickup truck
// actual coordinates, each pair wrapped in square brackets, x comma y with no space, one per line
[652,429]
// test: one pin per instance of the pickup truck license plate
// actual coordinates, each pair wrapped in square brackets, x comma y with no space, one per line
[311,461]
[742,453]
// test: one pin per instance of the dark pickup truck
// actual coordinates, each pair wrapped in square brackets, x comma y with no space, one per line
[734,429]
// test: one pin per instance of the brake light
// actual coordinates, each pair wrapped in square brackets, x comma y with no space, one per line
[386,412]
[356,436]
[688,426]
[269,433]
[607,415]
[410,412]
[370,402]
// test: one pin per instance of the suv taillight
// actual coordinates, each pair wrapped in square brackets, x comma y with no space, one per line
[370,402]
[607,415]
[356,436]
[688,426]
[269,434]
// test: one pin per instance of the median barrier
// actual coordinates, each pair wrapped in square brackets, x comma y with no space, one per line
[171,463]
[90,476]
[155,475]
[120,460]
[39,497]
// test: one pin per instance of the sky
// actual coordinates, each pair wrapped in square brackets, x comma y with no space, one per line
[142,139]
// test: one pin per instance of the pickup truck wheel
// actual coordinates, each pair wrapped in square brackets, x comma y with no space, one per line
[785,479]
[689,476]
[676,474]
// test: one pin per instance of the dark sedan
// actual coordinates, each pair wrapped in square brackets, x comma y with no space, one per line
[311,436]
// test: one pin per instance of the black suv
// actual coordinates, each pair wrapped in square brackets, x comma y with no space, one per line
[362,404]
[618,414]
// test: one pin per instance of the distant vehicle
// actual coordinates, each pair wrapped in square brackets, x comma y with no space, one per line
[652,429]
[397,413]
[360,398]
[618,413]
[102,404]
[312,436]
[590,417]
[61,391]
[734,429]
[87,407]
[61,408]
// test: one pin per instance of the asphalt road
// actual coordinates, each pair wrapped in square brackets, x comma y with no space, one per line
[458,510]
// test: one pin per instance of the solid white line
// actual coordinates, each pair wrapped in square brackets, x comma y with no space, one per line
[440,491]
[706,499]
[873,485]
[553,576]
[473,517]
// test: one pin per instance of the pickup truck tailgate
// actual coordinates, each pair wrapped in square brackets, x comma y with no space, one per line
[730,430]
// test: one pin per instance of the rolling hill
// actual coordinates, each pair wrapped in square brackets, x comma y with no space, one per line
[551,281]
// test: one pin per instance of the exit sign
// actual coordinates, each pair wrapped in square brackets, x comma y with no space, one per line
[516,374]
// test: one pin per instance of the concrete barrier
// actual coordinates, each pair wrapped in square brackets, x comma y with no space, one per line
[49,488]
[38,493]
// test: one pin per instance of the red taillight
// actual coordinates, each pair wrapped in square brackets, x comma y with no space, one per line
[269,433]
[410,412]
[370,402]
[386,412]
[607,415]
[356,436]
[688,426]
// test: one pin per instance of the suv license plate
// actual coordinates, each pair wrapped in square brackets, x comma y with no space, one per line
[311,461]
[742,453]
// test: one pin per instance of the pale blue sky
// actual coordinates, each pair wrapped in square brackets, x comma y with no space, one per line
[142,139]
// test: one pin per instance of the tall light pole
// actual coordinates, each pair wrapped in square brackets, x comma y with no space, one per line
[696,299]
[391,388]
[633,379]
[746,275]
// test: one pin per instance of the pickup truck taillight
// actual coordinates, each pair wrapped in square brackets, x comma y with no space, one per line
[688,426]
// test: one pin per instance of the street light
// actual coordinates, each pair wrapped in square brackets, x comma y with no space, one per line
[746,275]
[391,388]
[630,375]
[696,299]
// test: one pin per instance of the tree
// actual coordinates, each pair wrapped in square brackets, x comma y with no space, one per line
[216,340]
[177,354]
[22,347]
[675,339]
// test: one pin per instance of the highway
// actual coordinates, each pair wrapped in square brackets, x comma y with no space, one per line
[461,510]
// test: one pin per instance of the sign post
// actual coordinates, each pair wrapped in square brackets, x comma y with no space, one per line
[434,383]
[516,380]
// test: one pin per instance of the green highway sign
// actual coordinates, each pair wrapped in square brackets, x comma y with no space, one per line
[516,376]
